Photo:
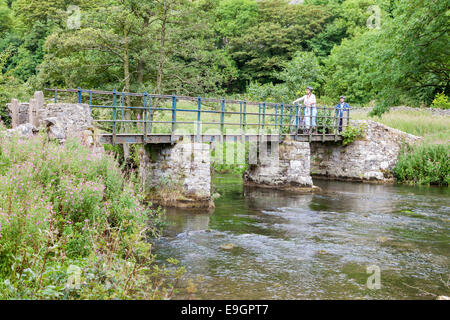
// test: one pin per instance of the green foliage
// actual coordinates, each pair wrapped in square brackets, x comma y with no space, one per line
[302,71]
[234,17]
[268,92]
[441,101]
[410,47]
[221,164]
[10,87]
[347,69]
[425,164]
[64,208]
[281,30]
[5,17]
[352,133]
[325,121]
[269,49]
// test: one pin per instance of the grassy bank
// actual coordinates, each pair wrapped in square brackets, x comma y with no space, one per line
[435,129]
[424,164]
[428,162]
[73,227]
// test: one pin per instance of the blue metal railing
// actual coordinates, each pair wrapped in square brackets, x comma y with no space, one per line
[327,118]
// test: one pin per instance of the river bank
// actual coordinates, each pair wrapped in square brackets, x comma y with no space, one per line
[72,226]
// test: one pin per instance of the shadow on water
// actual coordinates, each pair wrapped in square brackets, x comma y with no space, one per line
[315,246]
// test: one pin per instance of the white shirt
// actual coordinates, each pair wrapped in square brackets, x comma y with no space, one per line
[308,100]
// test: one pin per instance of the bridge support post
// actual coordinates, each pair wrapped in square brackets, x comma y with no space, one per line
[287,168]
[177,175]
[14,107]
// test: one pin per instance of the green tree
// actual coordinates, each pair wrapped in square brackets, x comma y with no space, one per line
[10,87]
[234,17]
[5,17]
[281,30]
[411,47]
[348,69]
[302,71]
[162,46]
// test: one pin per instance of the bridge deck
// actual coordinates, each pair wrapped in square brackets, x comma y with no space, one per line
[169,138]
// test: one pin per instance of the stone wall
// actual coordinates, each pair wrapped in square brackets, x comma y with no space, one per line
[59,119]
[177,175]
[72,117]
[287,167]
[22,112]
[368,159]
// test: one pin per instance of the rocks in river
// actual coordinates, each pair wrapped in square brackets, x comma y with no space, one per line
[215,196]
[228,246]
[443,298]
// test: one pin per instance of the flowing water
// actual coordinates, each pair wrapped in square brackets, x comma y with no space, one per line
[289,246]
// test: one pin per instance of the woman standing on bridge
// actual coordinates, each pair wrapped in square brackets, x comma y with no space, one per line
[309,101]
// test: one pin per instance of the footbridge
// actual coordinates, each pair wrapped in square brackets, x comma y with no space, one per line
[125,117]
[181,136]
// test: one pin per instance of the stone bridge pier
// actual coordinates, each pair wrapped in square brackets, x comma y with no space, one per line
[177,174]
[284,165]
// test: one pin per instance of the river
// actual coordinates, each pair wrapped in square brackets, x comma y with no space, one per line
[289,246]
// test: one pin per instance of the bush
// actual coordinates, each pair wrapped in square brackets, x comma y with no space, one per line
[352,133]
[64,208]
[429,165]
[441,101]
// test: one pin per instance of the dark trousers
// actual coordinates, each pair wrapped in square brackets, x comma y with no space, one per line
[340,124]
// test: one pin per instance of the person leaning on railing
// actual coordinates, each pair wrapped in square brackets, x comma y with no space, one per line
[340,108]
[309,100]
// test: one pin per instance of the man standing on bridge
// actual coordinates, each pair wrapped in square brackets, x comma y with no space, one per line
[340,108]
[310,108]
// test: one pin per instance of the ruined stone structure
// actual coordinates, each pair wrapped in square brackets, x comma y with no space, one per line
[20,114]
[72,117]
[60,119]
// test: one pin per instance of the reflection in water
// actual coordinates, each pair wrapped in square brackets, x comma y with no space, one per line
[290,246]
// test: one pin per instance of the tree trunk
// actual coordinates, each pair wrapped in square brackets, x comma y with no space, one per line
[161,50]
[126,70]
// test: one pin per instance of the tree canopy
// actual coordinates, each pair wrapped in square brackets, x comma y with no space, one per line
[385,52]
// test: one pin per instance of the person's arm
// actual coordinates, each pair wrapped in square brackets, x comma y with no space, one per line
[298,100]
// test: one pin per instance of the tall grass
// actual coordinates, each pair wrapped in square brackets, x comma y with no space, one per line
[423,164]
[435,129]
[72,226]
